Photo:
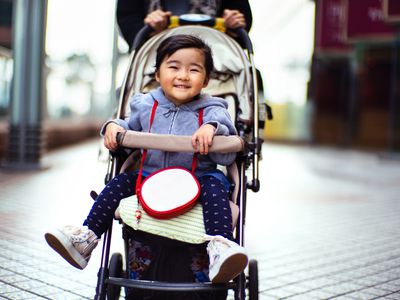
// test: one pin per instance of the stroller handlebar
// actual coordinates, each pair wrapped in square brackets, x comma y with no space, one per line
[176,143]
[197,19]
[243,37]
[141,36]
[194,19]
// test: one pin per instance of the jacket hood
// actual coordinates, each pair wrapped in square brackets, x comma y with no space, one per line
[203,101]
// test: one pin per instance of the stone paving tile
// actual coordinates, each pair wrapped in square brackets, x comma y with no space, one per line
[46,290]
[377,291]
[17,277]
[66,296]
[391,286]
[315,294]
[393,296]
[29,285]
[21,295]
[362,295]
[344,297]
[7,288]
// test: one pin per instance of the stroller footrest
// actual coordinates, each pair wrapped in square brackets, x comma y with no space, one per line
[169,286]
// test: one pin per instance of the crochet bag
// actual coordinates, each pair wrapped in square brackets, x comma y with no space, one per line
[187,227]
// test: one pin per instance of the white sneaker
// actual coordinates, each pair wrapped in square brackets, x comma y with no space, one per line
[74,244]
[227,259]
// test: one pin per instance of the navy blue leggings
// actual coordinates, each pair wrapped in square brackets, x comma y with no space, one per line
[214,198]
[217,212]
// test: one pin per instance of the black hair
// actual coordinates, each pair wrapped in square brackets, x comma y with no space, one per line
[182,41]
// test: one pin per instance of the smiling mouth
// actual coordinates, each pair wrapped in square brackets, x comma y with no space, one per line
[181,86]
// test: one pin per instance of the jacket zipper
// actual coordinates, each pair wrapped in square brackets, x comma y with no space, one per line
[166,156]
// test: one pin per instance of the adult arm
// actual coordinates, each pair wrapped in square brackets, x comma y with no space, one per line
[130,18]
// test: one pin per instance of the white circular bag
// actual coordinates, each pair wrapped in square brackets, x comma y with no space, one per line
[169,192]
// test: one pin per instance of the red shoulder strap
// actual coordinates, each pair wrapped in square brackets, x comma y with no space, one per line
[194,161]
[144,154]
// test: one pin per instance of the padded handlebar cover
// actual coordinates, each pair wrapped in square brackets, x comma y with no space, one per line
[177,143]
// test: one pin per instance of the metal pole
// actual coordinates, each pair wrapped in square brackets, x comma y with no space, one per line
[354,103]
[25,126]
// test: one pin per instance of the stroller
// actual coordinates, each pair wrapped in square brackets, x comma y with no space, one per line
[235,80]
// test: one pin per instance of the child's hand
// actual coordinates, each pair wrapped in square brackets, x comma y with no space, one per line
[110,136]
[203,137]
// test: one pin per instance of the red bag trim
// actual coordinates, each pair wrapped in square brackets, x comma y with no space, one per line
[166,214]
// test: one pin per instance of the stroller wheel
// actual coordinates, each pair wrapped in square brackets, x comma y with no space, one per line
[253,280]
[115,270]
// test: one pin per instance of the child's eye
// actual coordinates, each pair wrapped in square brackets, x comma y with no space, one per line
[195,70]
[173,67]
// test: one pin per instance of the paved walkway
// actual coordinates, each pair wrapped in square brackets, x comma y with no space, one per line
[325,225]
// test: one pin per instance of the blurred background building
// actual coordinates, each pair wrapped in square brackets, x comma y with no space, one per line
[330,70]
[354,79]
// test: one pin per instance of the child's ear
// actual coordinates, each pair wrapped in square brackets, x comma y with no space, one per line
[206,80]
[157,76]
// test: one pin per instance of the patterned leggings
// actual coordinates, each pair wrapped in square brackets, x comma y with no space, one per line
[214,198]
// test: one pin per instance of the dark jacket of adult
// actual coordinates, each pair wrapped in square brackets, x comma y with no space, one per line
[131,15]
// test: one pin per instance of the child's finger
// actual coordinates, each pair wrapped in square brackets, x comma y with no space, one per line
[205,143]
[210,140]
[194,142]
[201,146]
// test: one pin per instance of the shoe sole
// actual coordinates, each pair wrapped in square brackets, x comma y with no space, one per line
[231,268]
[59,241]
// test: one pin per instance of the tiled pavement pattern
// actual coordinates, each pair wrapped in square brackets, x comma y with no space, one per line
[325,225]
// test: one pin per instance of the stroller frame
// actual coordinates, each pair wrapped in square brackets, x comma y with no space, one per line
[109,276]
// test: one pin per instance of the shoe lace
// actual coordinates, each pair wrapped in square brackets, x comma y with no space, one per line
[216,245]
[79,235]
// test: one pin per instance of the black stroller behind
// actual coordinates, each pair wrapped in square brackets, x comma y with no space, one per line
[234,79]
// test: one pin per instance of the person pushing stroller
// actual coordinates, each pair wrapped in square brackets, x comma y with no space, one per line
[183,66]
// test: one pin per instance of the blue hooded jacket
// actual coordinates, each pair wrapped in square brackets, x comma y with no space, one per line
[179,120]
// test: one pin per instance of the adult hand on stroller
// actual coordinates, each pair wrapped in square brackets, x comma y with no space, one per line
[158,20]
[234,19]
[110,135]
[203,137]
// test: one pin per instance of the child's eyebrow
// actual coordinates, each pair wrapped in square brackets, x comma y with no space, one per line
[175,61]
[198,65]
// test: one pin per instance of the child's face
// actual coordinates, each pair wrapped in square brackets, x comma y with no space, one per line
[182,75]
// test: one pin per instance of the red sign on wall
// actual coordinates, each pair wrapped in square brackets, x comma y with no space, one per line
[329,27]
[391,10]
[366,21]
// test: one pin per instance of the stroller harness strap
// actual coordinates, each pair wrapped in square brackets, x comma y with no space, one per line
[144,154]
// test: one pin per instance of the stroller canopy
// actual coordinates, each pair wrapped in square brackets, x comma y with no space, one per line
[230,77]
